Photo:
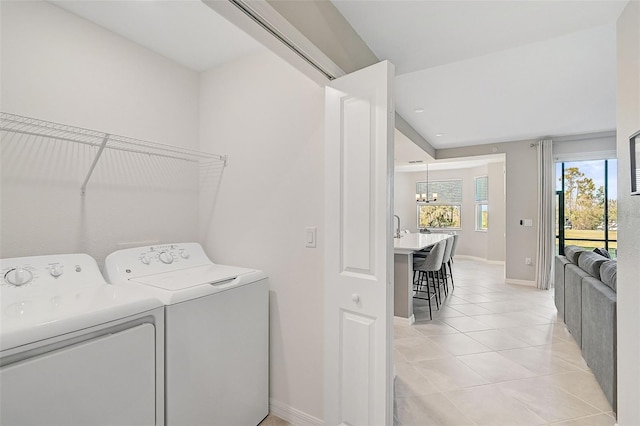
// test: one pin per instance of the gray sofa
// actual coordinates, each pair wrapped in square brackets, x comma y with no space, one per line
[585,296]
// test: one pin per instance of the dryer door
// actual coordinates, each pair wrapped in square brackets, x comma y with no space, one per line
[109,380]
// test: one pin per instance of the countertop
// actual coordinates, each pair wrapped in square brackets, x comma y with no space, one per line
[416,241]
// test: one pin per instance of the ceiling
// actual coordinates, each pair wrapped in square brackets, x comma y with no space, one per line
[186,31]
[480,71]
[495,71]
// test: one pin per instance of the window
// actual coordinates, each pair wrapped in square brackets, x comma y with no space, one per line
[587,204]
[482,217]
[446,211]
[432,216]
[482,203]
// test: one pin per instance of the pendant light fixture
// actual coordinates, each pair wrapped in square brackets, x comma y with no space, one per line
[422,198]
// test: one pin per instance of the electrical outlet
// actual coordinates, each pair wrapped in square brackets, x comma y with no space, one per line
[527,261]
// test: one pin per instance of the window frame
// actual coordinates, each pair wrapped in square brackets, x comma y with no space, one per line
[478,209]
[608,241]
[458,205]
[480,203]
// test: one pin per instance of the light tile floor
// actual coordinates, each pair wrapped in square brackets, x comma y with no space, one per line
[494,354]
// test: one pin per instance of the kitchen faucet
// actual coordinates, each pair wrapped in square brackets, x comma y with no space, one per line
[398,228]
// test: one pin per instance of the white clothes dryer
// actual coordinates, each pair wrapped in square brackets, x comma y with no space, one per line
[75,350]
[217,332]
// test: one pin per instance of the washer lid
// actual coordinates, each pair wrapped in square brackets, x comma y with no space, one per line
[182,279]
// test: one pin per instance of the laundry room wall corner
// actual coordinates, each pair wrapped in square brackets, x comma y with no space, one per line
[269,119]
[62,68]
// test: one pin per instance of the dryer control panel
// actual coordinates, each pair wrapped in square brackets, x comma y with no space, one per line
[53,271]
[38,291]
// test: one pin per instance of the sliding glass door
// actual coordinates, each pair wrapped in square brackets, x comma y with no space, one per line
[587,204]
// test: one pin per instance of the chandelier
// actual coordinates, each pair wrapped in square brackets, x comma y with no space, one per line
[423,197]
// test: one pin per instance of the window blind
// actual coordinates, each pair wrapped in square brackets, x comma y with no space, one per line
[482,189]
[449,191]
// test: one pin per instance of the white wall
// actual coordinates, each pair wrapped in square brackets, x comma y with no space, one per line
[486,245]
[520,177]
[628,122]
[404,200]
[497,211]
[269,119]
[58,67]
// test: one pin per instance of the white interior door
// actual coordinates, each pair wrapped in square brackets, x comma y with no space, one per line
[359,248]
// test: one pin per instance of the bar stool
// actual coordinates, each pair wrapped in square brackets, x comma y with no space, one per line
[455,244]
[453,253]
[445,260]
[429,267]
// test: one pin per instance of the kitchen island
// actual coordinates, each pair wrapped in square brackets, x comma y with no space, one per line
[403,248]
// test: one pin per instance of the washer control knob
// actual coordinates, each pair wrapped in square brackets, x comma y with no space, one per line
[145,259]
[184,254]
[165,257]
[18,276]
[55,271]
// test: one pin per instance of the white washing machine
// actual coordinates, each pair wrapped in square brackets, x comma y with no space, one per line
[75,350]
[217,332]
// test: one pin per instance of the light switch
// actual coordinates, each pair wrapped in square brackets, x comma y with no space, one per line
[310,236]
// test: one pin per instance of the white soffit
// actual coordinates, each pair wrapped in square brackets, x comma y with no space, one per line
[408,153]
[406,150]
[452,164]
[186,31]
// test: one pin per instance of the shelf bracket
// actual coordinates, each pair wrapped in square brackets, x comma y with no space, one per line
[83,188]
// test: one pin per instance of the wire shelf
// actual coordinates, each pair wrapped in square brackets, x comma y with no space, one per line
[103,141]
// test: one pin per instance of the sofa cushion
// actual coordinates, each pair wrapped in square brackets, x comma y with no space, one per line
[573,253]
[590,262]
[608,274]
[602,252]
[573,276]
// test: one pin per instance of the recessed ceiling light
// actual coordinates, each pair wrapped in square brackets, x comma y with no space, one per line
[419,110]
[439,134]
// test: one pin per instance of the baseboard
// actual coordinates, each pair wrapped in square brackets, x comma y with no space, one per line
[404,321]
[480,259]
[292,415]
[526,283]
[466,256]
